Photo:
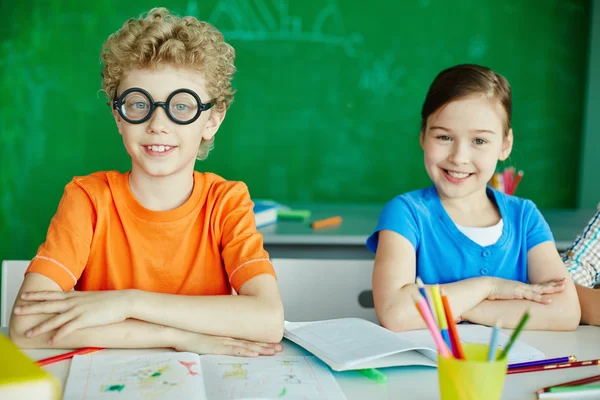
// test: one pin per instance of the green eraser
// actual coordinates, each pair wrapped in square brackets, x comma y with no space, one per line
[293,214]
[374,375]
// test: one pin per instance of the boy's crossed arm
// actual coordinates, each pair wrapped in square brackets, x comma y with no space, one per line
[106,319]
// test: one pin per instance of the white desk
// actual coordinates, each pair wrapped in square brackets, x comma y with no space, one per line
[420,382]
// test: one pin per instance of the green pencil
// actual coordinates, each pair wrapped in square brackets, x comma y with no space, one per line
[513,337]
[560,389]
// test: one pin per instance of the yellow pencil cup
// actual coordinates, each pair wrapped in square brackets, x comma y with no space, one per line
[474,378]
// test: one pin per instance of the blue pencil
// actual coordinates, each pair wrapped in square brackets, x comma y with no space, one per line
[422,291]
[494,342]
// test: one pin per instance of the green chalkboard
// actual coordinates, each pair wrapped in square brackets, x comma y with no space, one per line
[329,94]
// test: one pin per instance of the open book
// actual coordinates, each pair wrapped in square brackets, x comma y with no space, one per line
[188,376]
[354,343]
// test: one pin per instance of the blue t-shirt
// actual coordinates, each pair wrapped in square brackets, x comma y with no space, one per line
[444,254]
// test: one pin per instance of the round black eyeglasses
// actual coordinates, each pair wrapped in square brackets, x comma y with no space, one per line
[183,106]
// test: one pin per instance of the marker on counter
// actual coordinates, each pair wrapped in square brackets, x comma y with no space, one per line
[301,215]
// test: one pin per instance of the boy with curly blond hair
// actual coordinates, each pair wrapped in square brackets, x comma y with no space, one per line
[153,254]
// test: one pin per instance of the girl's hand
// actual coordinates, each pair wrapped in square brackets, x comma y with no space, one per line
[206,344]
[504,289]
[76,310]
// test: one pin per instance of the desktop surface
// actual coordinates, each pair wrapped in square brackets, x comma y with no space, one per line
[421,382]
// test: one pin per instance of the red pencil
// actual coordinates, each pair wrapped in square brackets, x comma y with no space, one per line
[578,382]
[536,368]
[68,355]
[454,338]
[517,181]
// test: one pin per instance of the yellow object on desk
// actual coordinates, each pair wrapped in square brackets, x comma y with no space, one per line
[473,378]
[21,378]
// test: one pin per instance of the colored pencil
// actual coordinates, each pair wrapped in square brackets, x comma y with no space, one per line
[425,312]
[547,361]
[584,381]
[514,335]
[560,389]
[494,182]
[508,180]
[500,177]
[66,356]
[537,368]
[422,290]
[570,395]
[494,341]
[457,349]
[327,222]
[517,181]
[441,315]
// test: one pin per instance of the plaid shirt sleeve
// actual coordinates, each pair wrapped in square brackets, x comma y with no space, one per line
[583,258]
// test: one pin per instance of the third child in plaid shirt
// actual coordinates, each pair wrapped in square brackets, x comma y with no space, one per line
[583,263]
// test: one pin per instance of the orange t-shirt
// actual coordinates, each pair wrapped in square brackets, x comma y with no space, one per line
[101,238]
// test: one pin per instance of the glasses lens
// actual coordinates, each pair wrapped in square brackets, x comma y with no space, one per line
[135,106]
[183,106]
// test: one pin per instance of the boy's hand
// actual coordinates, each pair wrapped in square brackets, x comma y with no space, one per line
[76,310]
[504,289]
[206,344]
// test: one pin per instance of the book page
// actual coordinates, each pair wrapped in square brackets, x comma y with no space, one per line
[285,377]
[168,376]
[519,352]
[345,342]
[472,333]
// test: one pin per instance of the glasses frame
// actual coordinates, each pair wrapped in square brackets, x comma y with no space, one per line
[118,105]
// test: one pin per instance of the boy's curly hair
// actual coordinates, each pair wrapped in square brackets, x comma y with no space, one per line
[160,37]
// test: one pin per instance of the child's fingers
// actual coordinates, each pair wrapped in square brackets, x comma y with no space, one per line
[44,295]
[235,350]
[44,307]
[257,347]
[50,324]
[264,348]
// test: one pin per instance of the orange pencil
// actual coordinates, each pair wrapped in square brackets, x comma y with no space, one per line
[66,356]
[454,338]
[327,222]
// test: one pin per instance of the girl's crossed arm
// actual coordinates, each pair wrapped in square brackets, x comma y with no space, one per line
[394,288]
[561,313]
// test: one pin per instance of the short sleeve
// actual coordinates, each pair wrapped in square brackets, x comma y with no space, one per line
[538,230]
[397,216]
[64,254]
[241,244]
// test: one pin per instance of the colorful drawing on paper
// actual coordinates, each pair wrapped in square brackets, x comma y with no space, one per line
[164,376]
[189,365]
[237,372]
[153,379]
[112,388]
[267,378]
